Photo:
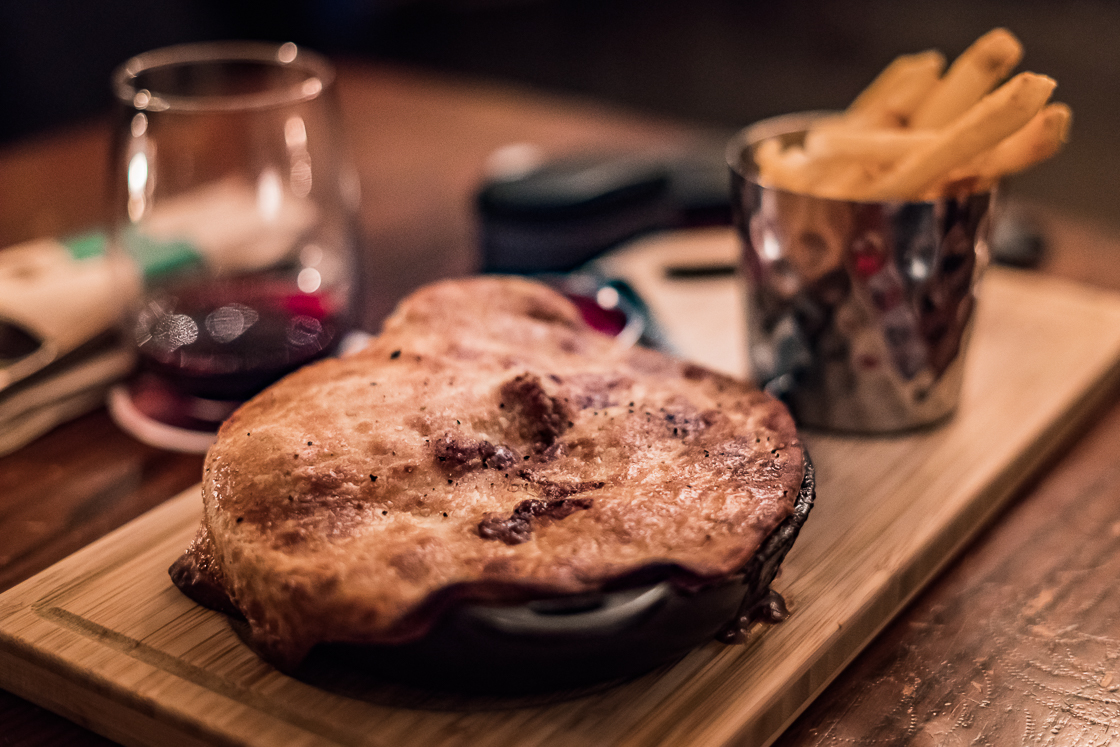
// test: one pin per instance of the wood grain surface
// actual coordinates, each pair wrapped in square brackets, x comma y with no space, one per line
[105,639]
[1029,656]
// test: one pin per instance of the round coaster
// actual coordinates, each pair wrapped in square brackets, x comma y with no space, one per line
[158,416]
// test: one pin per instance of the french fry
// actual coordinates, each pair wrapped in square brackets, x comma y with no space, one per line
[1037,140]
[1034,142]
[846,178]
[880,145]
[772,169]
[794,170]
[912,134]
[988,121]
[973,74]
[897,92]
[788,168]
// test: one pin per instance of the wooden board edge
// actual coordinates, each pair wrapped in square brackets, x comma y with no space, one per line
[48,681]
[102,711]
[167,516]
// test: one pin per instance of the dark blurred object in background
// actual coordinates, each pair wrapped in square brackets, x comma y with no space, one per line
[556,217]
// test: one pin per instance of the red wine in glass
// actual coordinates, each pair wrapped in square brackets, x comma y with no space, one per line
[228,339]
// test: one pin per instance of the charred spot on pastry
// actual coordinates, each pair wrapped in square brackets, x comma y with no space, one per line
[555,489]
[692,372]
[559,509]
[518,526]
[512,530]
[551,489]
[457,454]
[558,450]
[497,457]
[541,418]
[595,391]
[454,451]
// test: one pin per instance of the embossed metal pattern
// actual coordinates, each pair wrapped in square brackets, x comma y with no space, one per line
[859,313]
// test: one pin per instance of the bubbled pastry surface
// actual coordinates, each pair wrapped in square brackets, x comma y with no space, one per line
[490,446]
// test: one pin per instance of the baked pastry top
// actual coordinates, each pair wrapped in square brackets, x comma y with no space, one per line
[488,446]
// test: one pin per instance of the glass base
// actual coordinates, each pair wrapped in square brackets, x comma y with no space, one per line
[157,415]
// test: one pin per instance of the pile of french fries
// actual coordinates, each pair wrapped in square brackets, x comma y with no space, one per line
[920,132]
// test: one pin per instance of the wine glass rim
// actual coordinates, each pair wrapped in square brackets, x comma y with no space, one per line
[319,75]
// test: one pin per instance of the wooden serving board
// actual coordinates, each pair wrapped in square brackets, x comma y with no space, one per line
[104,639]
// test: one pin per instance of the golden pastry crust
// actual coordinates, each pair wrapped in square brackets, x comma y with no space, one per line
[487,446]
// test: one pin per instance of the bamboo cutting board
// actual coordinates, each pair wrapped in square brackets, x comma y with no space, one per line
[104,639]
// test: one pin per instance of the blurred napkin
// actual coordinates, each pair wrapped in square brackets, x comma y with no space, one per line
[71,386]
[61,300]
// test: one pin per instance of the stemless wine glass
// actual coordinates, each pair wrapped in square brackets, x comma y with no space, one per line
[233,220]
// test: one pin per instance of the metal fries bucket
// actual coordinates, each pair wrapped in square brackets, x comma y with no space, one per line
[859,313]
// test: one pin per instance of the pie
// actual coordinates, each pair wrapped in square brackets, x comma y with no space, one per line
[488,447]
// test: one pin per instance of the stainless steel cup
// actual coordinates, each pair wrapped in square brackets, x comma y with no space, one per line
[859,313]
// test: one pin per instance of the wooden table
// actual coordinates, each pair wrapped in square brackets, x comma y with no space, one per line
[1012,645]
